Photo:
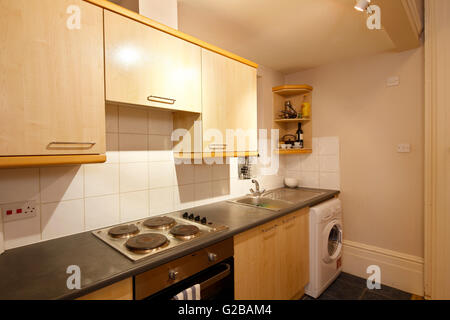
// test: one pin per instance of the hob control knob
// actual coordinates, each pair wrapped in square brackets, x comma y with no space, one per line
[197,218]
[191,216]
[185,215]
[212,257]
[203,221]
[173,274]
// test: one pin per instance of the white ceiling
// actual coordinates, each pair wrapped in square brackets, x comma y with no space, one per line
[285,35]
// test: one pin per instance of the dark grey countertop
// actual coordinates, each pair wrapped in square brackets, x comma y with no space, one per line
[38,271]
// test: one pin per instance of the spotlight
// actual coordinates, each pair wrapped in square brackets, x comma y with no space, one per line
[362,5]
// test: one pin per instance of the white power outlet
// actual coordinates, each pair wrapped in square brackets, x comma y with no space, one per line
[404,148]
[19,210]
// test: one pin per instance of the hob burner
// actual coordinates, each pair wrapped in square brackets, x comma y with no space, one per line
[185,231]
[125,231]
[146,243]
[160,223]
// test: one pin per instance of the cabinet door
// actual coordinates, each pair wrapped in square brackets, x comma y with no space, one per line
[52,80]
[229,102]
[293,241]
[255,263]
[122,290]
[148,67]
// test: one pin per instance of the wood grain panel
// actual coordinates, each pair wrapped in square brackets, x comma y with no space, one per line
[437,149]
[122,290]
[272,261]
[229,102]
[143,62]
[52,79]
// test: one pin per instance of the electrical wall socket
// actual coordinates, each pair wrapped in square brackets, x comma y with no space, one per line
[19,210]
[404,148]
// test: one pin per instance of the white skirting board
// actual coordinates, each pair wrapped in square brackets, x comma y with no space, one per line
[398,270]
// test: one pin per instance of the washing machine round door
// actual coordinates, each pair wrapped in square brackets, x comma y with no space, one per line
[332,241]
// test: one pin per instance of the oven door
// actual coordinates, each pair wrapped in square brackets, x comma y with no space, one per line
[216,283]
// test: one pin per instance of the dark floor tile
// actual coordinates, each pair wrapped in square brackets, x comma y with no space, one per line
[326,296]
[371,295]
[344,290]
[393,293]
[356,281]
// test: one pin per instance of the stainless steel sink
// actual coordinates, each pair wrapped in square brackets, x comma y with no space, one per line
[262,202]
[278,199]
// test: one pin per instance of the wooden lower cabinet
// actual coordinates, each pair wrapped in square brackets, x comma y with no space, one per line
[122,290]
[272,260]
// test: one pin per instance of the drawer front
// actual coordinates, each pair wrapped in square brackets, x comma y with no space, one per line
[159,278]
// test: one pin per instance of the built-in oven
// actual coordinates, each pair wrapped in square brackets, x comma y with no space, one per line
[212,268]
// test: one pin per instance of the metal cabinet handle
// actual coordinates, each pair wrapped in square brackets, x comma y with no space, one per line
[271,228]
[158,99]
[207,283]
[72,143]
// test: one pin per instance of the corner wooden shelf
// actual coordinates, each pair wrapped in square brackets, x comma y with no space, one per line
[294,151]
[292,90]
[297,95]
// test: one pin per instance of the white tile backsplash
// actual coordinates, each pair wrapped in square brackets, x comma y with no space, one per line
[112,118]
[184,174]
[63,218]
[19,185]
[203,193]
[160,123]
[134,205]
[112,148]
[102,211]
[161,174]
[329,180]
[202,173]
[61,183]
[317,170]
[133,148]
[161,200]
[133,177]
[133,120]
[183,197]
[309,163]
[309,179]
[101,179]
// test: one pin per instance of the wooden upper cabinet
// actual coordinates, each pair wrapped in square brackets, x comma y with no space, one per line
[229,103]
[148,67]
[52,80]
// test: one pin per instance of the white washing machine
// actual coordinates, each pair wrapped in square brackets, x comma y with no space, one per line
[325,246]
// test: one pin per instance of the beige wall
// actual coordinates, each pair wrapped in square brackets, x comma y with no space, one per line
[382,190]
[163,11]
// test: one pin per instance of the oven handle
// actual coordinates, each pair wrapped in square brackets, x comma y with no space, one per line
[216,278]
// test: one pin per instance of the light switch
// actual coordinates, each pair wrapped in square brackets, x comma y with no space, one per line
[404,148]
[393,81]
